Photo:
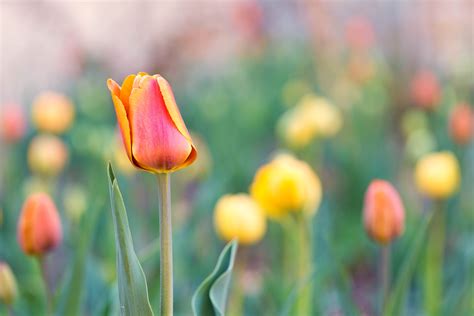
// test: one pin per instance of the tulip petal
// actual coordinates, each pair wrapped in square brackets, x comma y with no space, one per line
[127,86]
[123,124]
[157,144]
[113,87]
[172,107]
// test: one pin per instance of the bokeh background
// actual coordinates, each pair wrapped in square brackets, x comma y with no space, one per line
[236,67]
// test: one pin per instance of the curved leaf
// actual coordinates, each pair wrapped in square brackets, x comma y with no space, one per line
[133,291]
[211,296]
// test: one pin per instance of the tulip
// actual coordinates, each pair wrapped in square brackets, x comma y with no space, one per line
[384,214]
[239,216]
[39,226]
[53,112]
[153,132]
[12,123]
[286,185]
[437,175]
[8,286]
[360,33]
[425,90]
[461,123]
[312,117]
[47,155]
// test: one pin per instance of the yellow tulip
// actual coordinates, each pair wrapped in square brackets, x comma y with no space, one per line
[8,287]
[53,112]
[47,155]
[437,175]
[285,185]
[312,117]
[239,216]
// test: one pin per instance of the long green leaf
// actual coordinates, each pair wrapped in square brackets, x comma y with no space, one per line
[133,291]
[402,284]
[211,296]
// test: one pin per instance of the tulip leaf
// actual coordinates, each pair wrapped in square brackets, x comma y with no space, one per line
[133,291]
[407,269]
[211,296]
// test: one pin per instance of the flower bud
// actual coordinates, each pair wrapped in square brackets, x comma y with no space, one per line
[47,155]
[39,226]
[437,175]
[238,216]
[461,123]
[360,33]
[8,286]
[12,123]
[153,131]
[53,112]
[384,214]
[425,90]
[286,185]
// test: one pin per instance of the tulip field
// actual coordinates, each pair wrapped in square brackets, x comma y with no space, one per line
[255,158]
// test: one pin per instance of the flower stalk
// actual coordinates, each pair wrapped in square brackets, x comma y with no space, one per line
[166,245]
[384,274]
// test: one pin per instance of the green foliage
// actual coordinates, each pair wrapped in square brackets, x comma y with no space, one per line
[211,296]
[133,291]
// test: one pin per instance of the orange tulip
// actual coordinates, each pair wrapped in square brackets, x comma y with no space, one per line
[461,124]
[153,131]
[384,214]
[39,226]
[12,123]
[425,90]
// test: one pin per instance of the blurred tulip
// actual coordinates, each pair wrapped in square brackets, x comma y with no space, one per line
[359,33]
[425,90]
[47,155]
[75,202]
[120,158]
[414,120]
[239,216]
[361,69]
[461,123]
[286,185]
[293,90]
[201,167]
[312,117]
[53,112]
[384,214]
[39,226]
[8,286]
[153,132]
[420,143]
[437,175]
[248,18]
[12,123]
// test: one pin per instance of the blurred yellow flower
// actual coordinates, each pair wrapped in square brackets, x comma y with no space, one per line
[75,202]
[419,143]
[312,117]
[47,155]
[437,175]
[414,120]
[53,112]
[239,216]
[8,286]
[285,185]
[200,168]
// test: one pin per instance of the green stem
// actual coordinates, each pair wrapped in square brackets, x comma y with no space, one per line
[384,275]
[166,246]
[44,277]
[434,263]
[303,306]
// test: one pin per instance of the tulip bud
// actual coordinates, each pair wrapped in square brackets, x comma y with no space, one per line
[8,287]
[53,112]
[238,216]
[437,175]
[286,185]
[360,33]
[461,123]
[12,123]
[47,155]
[425,90]
[384,214]
[312,117]
[39,226]
[153,132]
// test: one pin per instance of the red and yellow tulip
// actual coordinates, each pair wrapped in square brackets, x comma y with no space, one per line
[153,131]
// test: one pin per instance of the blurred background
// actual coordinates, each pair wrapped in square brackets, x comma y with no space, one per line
[396,72]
